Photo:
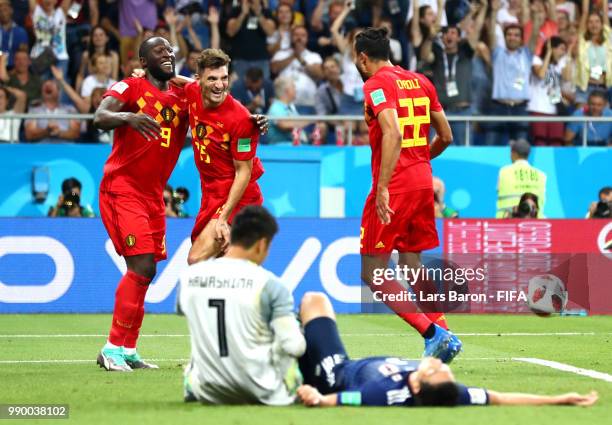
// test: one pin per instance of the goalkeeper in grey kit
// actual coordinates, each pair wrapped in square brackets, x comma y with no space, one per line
[245,339]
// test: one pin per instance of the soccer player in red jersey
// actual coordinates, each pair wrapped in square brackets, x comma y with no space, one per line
[399,212]
[149,117]
[224,143]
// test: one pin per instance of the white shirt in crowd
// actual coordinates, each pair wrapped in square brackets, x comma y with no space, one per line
[244,336]
[50,30]
[305,86]
[9,129]
[91,82]
[545,94]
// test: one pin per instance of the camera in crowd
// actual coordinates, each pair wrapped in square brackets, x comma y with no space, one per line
[175,201]
[603,209]
[71,200]
[527,206]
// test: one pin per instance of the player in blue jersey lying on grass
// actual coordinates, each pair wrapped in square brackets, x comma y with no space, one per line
[332,379]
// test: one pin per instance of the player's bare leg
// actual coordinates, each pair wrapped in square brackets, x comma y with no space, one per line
[314,305]
[119,353]
[439,342]
[206,244]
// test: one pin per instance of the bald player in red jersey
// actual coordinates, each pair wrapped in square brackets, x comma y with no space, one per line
[149,117]
[399,214]
[224,143]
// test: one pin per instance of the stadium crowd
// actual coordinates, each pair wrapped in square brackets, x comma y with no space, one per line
[294,57]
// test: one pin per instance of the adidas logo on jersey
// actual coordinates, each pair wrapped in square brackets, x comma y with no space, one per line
[379,245]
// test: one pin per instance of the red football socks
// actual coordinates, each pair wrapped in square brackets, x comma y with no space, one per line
[439,319]
[407,310]
[129,309]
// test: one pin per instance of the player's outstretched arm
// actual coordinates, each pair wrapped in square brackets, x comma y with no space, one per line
[108,116]
[571,399]
[444,135]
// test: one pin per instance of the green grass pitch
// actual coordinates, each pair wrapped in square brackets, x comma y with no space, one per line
[154,397]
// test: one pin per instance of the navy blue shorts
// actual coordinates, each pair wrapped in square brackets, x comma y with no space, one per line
[325,355]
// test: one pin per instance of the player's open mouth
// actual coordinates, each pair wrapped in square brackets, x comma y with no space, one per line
[167,65]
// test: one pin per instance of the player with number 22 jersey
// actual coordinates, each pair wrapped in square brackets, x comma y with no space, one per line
[412,227]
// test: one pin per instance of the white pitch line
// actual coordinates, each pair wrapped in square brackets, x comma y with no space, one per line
[343,334]
[71,361]
[566,368]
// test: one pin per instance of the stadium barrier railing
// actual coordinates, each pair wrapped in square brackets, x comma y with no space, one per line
[469,120]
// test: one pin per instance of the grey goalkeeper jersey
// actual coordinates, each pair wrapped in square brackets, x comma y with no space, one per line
[244,335]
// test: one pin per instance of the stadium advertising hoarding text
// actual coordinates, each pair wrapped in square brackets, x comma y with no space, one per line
[69,265]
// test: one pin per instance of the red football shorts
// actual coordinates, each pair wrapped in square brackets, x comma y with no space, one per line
[412,227]
[213,201]
[136,225]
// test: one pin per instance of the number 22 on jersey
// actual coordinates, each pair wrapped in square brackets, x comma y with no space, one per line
[416,121]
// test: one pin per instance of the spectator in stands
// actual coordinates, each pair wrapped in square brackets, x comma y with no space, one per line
[93,134]
[81,16]
[509,13]
[181,196]
[602,208]
[281,38]
[598,133]
[21,77]
[12,36]
[528,207]
[69,202]
[452,70]
[320,26]
[195,14]
[298,16]
[566,7]
[424,25]
[518,178]
[212,38]
[394,16]
[545,85]
[98,44]
[128,67]
[21,12]
[594,61]
[133,13]
[544,12]
[511,71]
[441,209]
[9,128]
[394,44]
[302,66]
[101,76]
[169,201]
[248,28]
[49,24]
[352,82]
[254,91]
[286,130]
[329,99]
[109,20]
[190,67]
[48,130]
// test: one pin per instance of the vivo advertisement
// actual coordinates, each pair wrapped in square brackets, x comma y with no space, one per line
[69,265]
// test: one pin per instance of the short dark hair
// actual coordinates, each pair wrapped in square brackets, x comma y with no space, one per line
[604,191]
[374,42]
[145,46]
[451,27]
[251,224]
[442,394]
[254,73]
[70,183]
[213,59]
[513,26]
[599,93]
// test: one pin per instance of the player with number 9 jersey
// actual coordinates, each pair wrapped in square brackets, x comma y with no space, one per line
[411,187]
[137,170]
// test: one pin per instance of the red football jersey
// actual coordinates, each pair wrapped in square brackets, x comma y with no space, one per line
[135,164]
[413,97]
[220,136]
